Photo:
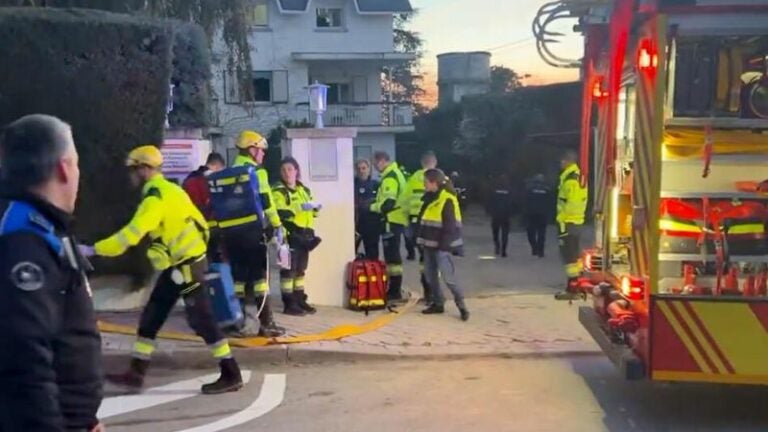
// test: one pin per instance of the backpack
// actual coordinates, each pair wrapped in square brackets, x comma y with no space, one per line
[367,285]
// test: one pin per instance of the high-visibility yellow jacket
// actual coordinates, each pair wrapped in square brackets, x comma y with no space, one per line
[414,192]
[440,224]
[268,200]
[389,198]
[289,201]
[178,230]
[571,197]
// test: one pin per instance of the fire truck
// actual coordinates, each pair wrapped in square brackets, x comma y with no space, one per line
[674,146]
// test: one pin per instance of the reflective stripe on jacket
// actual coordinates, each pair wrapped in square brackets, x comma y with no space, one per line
[270,211]
[169,217]
[440,223]
[571,197]
[389,198]
[414,192]
[289,201]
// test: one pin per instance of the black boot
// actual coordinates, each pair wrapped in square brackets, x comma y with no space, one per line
[291,306]
[434,309]
[268,327]
[464,314]
[301,298]
[230,379]
[133,378]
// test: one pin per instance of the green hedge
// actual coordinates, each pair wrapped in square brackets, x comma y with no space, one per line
[191,75]
[107,75]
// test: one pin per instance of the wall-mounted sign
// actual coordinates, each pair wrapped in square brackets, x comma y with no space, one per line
[182,156]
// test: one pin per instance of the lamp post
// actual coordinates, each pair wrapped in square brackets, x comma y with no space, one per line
[318,102]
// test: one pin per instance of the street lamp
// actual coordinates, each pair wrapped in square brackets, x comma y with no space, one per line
[318,102]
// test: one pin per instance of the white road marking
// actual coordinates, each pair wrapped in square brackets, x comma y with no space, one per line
[173,392]
[271,396]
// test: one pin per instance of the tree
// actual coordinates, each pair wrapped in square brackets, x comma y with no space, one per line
[403,82]
[505,80]
[229,16]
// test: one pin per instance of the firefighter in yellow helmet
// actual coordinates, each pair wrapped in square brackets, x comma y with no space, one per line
[246,244]
[179,236]
[571,209]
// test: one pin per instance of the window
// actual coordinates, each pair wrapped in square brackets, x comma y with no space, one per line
[257,15]
[329,18]
[264,86]
[339,94]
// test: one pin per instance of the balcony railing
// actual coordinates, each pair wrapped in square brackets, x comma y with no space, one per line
[366,114]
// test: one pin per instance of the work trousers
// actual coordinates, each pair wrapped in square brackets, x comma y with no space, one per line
[293,279]
[409,238]
[188,282]
[370,235]
[247,253]
[500,228]
[536,226]
[570,250]
[394,259]
[439,264]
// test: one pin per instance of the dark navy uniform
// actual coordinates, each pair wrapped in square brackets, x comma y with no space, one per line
[368,224]
[50,348]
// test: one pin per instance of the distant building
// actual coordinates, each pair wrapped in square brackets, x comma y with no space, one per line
[462,73]
[345,44]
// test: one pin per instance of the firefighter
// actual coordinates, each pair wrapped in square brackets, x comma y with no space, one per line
[538,205]
[439,233]
[389,204]
[196,186]
[246,244]
[367,224]
[179,243]
[50,360]
[412,199]
[571,209]
[297,211]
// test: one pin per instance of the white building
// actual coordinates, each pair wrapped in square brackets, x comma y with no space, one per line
[345,44]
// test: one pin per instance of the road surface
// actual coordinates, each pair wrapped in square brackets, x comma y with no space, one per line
[545,394]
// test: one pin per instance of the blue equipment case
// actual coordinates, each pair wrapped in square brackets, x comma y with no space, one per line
[226,306]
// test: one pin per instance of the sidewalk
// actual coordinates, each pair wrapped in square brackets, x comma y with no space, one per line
[501,326]
[513,314]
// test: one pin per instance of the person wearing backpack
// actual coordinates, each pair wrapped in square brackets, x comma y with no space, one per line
[297,211]
[439,233]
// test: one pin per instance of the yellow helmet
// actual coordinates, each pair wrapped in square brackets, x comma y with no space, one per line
[249,138]
[148,155]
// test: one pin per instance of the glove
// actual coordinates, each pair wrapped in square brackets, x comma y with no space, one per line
[99,428]
[458,252]
[280,235]
[86,251]
[311,206]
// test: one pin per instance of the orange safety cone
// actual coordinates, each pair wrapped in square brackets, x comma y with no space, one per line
[750,286]
[761,285]
[732,282]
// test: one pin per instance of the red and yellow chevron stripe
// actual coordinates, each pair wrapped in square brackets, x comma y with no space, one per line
[709,340]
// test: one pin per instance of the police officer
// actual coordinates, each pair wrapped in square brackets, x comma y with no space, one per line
[500,207]
[389,205]
[179,243]
[412,199]
[246,244]
[297,210]
[50,348]
[538,210]
[368,224]
[571,207]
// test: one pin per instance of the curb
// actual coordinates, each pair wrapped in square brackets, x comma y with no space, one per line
[299,355]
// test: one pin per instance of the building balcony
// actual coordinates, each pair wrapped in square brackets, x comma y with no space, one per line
[382,58]
[366,116]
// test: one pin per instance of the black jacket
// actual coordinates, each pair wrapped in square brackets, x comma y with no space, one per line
[539,201]
[50,348]
[501,204]
[365,195]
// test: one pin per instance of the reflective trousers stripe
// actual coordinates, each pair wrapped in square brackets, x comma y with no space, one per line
[143,348]
[573,270]
[221,350]
[299,283]
[394,269]
[287,285]
[260,287]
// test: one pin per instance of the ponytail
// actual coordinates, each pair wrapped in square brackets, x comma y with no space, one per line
[443,181]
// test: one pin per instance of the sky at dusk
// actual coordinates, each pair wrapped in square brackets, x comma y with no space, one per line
[500,26]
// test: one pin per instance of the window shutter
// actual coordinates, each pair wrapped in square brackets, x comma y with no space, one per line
[360,89]
[280,86]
